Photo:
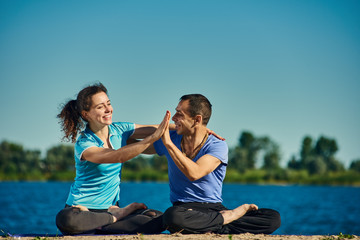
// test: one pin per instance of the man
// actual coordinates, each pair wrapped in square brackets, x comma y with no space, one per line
[197,165]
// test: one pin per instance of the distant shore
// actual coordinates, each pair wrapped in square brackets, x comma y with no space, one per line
[246,236]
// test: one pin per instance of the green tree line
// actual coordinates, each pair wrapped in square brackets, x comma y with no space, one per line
[254,159]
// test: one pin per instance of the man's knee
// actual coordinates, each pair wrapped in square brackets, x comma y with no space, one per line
[276,221]
[173,218]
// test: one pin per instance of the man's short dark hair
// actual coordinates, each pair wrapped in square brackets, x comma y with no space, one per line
[198,105]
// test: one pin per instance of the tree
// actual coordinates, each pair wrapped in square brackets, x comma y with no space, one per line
[272,154]
[272,160]
[355,165]
[318,158]
[17,162]
[159,163]
[238,159]
[243,156]
[306,151]
[325,147]
[137,163]
[316,165]
[252,146]
[294,164]
[59,158]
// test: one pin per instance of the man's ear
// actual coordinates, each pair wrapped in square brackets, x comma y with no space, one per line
[198,119]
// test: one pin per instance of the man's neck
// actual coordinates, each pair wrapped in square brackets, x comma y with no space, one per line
[193,142]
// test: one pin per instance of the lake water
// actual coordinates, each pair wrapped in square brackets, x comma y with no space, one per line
[30,207]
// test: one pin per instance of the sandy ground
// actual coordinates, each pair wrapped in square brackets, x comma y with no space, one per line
[191,237]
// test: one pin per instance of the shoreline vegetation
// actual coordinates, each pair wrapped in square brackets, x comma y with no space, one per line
[254,160]
[250,177]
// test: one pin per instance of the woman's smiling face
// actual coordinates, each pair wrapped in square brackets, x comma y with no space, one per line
[100,112]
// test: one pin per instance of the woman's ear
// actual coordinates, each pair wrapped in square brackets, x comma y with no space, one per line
[84,114]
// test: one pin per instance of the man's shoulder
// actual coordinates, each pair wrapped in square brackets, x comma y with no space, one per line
[214,140]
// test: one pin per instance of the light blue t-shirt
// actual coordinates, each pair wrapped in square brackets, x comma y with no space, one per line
[97,186]
[206,189]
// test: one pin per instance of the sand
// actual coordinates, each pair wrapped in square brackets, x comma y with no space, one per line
[246,236]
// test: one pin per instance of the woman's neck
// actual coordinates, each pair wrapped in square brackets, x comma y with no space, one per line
[102,132]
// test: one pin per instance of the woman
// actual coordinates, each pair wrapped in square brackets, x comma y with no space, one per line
[100,150]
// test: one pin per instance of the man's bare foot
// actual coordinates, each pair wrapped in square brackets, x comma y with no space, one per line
[119,213]
[234,214]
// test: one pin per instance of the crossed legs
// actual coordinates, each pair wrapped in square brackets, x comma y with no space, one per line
[214,217]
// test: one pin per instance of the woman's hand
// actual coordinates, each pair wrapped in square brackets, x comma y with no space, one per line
[211,132]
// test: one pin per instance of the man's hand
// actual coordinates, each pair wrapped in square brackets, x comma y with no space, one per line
[163,127]
[166,135]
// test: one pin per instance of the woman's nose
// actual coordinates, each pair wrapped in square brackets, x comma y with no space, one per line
[108,109]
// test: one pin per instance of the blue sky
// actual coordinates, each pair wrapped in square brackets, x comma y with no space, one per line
[284,69]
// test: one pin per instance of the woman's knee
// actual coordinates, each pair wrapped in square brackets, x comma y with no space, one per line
[66,221]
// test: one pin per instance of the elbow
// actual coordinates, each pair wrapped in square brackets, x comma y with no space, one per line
[121,160]
[194,174]
[193,177]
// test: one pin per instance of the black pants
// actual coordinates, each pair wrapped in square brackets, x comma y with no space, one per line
[72,221]
[206,217]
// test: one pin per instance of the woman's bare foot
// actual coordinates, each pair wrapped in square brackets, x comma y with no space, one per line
[119,213]
[82,208]
[234,214]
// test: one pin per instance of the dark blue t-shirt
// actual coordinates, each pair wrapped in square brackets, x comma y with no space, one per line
[205,189]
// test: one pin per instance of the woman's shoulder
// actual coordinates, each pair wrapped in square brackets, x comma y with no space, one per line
[121,127]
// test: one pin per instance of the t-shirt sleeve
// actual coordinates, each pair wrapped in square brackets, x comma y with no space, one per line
[82,144]
[126,128]
[159,147]
[219,149]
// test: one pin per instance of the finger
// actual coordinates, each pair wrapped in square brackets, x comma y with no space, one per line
[165,119]
[217,136]
[168,116]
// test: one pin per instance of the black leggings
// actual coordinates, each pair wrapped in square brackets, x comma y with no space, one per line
[72,221]
[206,217]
